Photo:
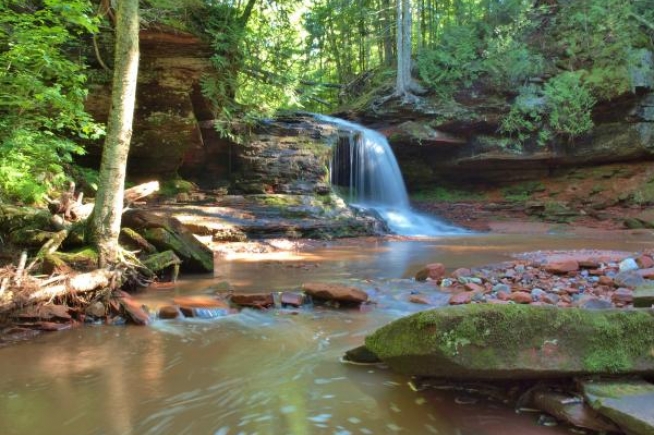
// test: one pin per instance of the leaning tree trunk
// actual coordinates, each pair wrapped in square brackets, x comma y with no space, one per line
[105,221]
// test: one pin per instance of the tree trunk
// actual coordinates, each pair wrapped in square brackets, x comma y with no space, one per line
[105,221]
[387,32]
[403,84]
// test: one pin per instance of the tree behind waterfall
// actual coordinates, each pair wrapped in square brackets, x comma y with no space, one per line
[105,221]
[405,86]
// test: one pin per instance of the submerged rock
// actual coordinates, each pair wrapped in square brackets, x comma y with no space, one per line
[255,300]
[628,403]
[334,292]
[488,341]
[434,271]
[571,409]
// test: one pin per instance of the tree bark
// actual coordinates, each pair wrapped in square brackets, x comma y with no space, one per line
[105,221]
[403,84]
[406,88]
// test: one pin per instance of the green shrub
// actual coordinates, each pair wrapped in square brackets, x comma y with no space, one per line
[454,63]
[43,92]
[569,104]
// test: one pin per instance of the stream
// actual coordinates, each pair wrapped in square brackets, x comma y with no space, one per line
[265,372]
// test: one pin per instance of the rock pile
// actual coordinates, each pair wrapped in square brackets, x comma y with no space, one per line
[584,279]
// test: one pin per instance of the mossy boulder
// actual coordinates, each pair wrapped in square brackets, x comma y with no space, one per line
[517,342]
[168,233]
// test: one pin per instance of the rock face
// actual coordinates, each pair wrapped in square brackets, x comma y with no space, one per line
[169,105]
[441,141]
[482,341]
[290,156]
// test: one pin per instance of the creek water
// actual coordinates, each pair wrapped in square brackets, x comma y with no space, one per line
[264,372]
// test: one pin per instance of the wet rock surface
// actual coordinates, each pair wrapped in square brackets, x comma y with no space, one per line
[628,402]
[237,218]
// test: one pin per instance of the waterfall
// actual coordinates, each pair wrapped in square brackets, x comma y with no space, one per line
[364,163]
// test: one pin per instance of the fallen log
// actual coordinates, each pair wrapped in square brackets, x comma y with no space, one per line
[135,193]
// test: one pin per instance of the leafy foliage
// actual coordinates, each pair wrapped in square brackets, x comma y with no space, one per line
[569,101]
[43,92]
[561,107]
[455,62]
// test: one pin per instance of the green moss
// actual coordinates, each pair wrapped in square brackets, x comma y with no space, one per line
[83,258]
[481,336]
[618,388]
[522,191]
[443,194]
[174,187]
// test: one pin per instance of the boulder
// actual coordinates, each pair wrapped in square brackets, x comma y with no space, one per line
[256,300]
[433,271]
[627,402]
[169,234]
[644,296]
[169,312]
[571,409]
[335,292]
[489,341]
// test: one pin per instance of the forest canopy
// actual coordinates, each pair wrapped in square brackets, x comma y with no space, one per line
[554,60]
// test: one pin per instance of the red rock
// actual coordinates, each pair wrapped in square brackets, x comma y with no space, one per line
[563,267]
[504,296]
[645,262]
[292,298]
[589,262]
[335,292]
[571,290]
[419,299]
[461,298]
[596,272]
[257,300]
[48,312]
[605,280]
[169,312]
[622,296]
[53,326]
[199,301]
[521,297]
[471,286]
[434,271]
[461,272]
[646,273]
[135,311]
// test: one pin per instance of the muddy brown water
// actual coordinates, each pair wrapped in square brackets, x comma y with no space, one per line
[275,372]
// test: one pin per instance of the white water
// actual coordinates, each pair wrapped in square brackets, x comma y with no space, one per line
[376,183]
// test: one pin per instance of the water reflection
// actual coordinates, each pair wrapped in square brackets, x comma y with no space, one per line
[258,372]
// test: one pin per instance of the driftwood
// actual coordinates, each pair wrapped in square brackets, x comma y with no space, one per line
[37,291]
[135,193]
[73,209]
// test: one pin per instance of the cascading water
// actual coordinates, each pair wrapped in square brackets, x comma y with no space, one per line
[366,165]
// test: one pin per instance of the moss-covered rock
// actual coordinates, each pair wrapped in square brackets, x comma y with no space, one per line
[513,342]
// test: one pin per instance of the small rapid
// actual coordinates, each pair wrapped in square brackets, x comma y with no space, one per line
[365,165]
